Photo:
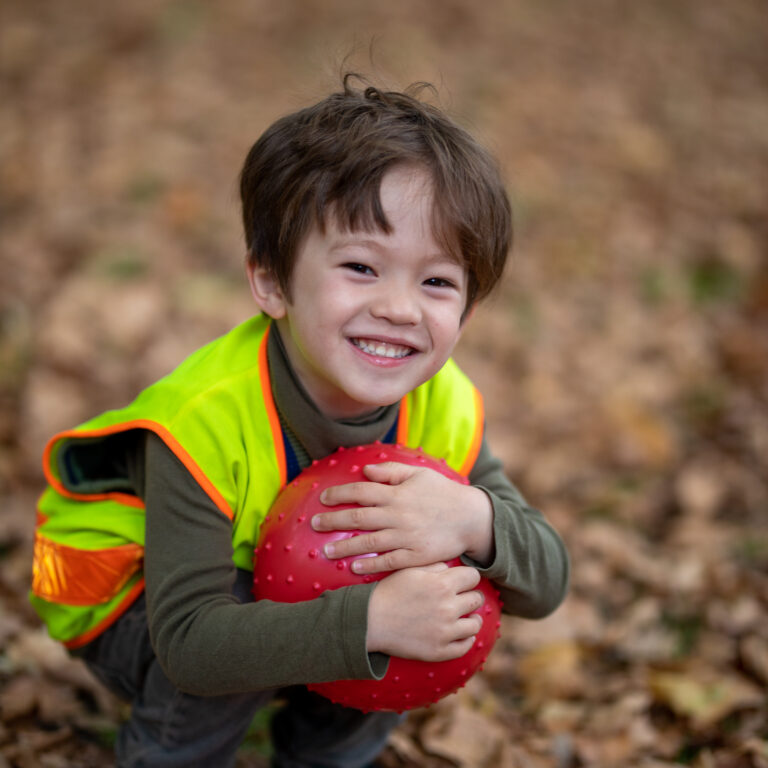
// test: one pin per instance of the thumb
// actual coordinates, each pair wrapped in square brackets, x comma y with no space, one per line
[391,472]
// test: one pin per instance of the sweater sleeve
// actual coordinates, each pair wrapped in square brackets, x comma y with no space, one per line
[206,640]
[530,565]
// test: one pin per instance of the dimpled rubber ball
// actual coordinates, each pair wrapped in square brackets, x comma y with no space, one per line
[290,566]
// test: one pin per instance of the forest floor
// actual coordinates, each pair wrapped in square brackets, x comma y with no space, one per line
[624,359]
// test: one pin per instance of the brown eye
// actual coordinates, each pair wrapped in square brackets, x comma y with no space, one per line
[439,282]
[361,269]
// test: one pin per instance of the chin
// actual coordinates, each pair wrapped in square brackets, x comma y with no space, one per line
[357,406]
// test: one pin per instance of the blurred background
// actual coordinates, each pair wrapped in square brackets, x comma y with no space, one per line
[624,359]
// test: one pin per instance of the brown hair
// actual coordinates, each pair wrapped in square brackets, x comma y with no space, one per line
[333,156]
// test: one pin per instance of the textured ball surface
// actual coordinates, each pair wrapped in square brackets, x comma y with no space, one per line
[290,566]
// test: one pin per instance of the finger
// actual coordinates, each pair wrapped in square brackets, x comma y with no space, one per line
[352,519]
[468,627]
[455,650]
[390,472]
[362,493]
[361,544]
[464,578]
[467,602]
[394,560]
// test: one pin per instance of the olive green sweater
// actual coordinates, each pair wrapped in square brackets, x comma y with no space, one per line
[208,643]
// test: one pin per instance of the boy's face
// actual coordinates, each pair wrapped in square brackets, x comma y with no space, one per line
[371,315]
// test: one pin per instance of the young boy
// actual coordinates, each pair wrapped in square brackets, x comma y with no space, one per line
[373,225]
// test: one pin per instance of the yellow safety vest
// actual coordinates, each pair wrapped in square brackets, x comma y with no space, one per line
[217,414]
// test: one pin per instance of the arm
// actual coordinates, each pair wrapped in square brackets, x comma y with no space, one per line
[209,643]
[531,565]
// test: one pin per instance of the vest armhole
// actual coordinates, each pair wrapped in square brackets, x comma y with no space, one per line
[164,434]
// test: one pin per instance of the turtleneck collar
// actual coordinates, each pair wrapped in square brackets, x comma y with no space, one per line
[318,434]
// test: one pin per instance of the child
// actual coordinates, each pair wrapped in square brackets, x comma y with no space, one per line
[373,225]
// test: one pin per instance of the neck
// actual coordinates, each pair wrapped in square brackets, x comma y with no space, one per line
[318,432]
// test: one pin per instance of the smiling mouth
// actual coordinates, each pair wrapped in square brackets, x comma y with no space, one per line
[382,348]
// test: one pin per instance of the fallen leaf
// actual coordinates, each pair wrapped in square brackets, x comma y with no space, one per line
[18,698]
[614,749]
[735,617]
[700,489]
[403,746]
[463,736]
[757,749]
[553,671]
[57,703]
[643,436]
[754,654]
[558,716]
[10,625]
[705,696]
[183,208]
[34,651]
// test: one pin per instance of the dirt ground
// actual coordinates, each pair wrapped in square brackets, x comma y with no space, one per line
[624,359]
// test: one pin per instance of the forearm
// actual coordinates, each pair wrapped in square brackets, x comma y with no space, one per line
[217,646]
[530,565]
[206,640]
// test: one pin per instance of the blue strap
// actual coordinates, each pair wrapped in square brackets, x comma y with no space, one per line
[292,467]
[392,434]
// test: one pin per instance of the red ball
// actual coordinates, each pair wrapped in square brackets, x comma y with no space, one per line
[290,566]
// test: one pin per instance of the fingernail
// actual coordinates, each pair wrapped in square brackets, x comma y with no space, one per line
[357,566]
[329,549]
[323,496]
[316,522]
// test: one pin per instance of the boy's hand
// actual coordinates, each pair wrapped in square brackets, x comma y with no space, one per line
[420,613]
[413,516]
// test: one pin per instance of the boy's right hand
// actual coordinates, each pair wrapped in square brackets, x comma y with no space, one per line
[420,613]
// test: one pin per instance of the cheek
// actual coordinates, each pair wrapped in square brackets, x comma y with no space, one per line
[448,326]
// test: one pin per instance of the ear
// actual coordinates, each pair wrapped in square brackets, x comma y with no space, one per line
[266,291]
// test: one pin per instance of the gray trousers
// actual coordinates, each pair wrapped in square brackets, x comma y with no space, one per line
[171,729]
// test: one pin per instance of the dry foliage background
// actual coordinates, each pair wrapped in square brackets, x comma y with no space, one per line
[624,359]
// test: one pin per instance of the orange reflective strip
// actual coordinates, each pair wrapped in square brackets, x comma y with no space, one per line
[126,498]
[108,621]
[269,405]
[403,422]
[477,438]
[72,576]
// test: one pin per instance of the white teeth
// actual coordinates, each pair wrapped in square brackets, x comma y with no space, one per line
[381,349]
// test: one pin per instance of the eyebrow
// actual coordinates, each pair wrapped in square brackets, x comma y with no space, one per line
[439,257]
[344,241]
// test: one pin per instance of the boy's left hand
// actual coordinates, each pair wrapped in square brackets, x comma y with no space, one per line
[413,516]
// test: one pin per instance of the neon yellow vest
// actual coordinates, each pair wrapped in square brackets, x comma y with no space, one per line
[216,413]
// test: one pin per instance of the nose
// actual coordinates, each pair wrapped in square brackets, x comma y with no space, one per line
[397,304]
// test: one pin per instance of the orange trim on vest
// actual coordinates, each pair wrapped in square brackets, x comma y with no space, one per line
[403,422]
[127,602]
[477,438]
[64,574]
[77,577]
[269,405]
[126,498]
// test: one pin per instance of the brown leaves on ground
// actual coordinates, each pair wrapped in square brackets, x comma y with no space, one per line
[624,359]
